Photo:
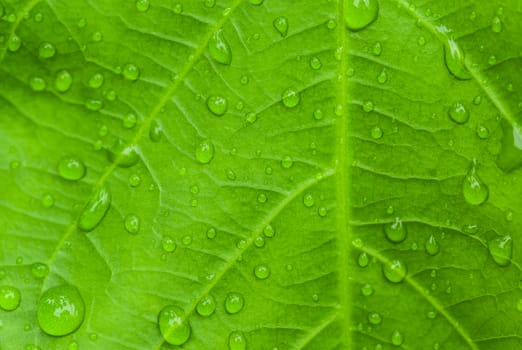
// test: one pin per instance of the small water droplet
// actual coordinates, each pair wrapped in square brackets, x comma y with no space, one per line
[211,233]
[39,270]
[47,200]
[474,190]
[482,132]
[454,59]
[129,120]
[14,43]
[10,298]
[377,49]
[63,81]
[206,306]
[96,208]
[281,25]
[132,223]
[155,131]
[262,272]
[397,338]
[219,48]
[382,77]
[209,3]
[204,152]
[61,310]
[97,37]
[376,133]
[374,318]
[93,104]
[396,231]
[363,260]
[367,290]
[168,244]
[322,211]
[96,80]
[432,246]
[131,72]
[37,84]
[395,271]
[259,241]
[368,106]
[142,5]
[269,231]
[308,200]
[236,339]
[218,105]
[501,250]
[291,98]
[496,25]
[458,113]
[287,162]
[71,168]
[46,50]
[234,302]
[173,326]
[134,180]
[186,240]
[122,155]
[358,14]
[315,63]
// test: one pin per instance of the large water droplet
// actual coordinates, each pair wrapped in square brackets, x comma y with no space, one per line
[63,81]
[234,302]
[431,245]
[395,271]
[205,152]
[458,113]
[173,327]
[501,250]
[122,155]
[218,105]
[237,341]
[206,306]
[358,14]
[60,310]
[291,98]
[71,168]
[10,298]
[281,25]
[510,156]
[474,190]
[219,48]
[96,208]
[454,59]
[396,231]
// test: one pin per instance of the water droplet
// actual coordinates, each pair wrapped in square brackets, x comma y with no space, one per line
[458,113]
[63,81]
[474,190]
[510,156]
[262,198]
[37,84]
[60,310]
[142,5]
[358,14]
[496,25]
[315,63]
[287,162]
[291,98]
[501,250]
[374,318]
[39,270]
[395,271]
[322,211]
[210,3]
[173,327]
[131,72]
[382,77]
[132,223]
[96,80]
[269,231]
[363,260]
[259,241]
[396,231]
[431,246]
[168,244]
[97,37]
[71,168]
[134,180]
[47,200]
[376,133]
[237,341]
[96,208]
[219,48]
[93,104]
[454,59]
[331,24]
[211,233]
[367,290]
[129,121]
[186,240]
[155,131]
[122,155]
[377,49]
[206,306]
[178,8]
[368,106]
[308,200]
[10,298]
[482,132]
[46,50]
[234,302]
[262,272]
[281,25]
[205,152]
[218,105]
[14,43]
[397,338]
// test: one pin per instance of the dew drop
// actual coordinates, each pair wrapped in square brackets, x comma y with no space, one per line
[376,133]
[129,121]
[287,162]
[291,98]
[374,318]
[131,72]
[96,208]
[382,77]
[315,63]
[308,200]
[96,80]
[63,81]
[168,244]
[186,240]
[132,223]
[395,271]
[218,105]
[71,168]
[458,113]
[122,155]
[142,5]
[281,25]
[368,106]
[432,246]
[97,37]
[47,200]
[262,198]
[46,50]
[93,104]
[39,270]
[358,14]
[322,211]
[61,310]
[510,156]
[10,298]
[237,341]
[474,190]
[454,59]
[155,131]
[37,84]
[269,231]
[501,250]
[377,49]
[259,241]
[134,180]
[14,42]
[397,338]
[496,25]
[204,152]
[173,327]
[482,132]
[234,302]
[206,306]
[367,290]
[219,48]
[262,272]
[396,231]
[363,260]
[211,233]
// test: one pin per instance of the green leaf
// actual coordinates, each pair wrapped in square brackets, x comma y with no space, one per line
[249,174]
